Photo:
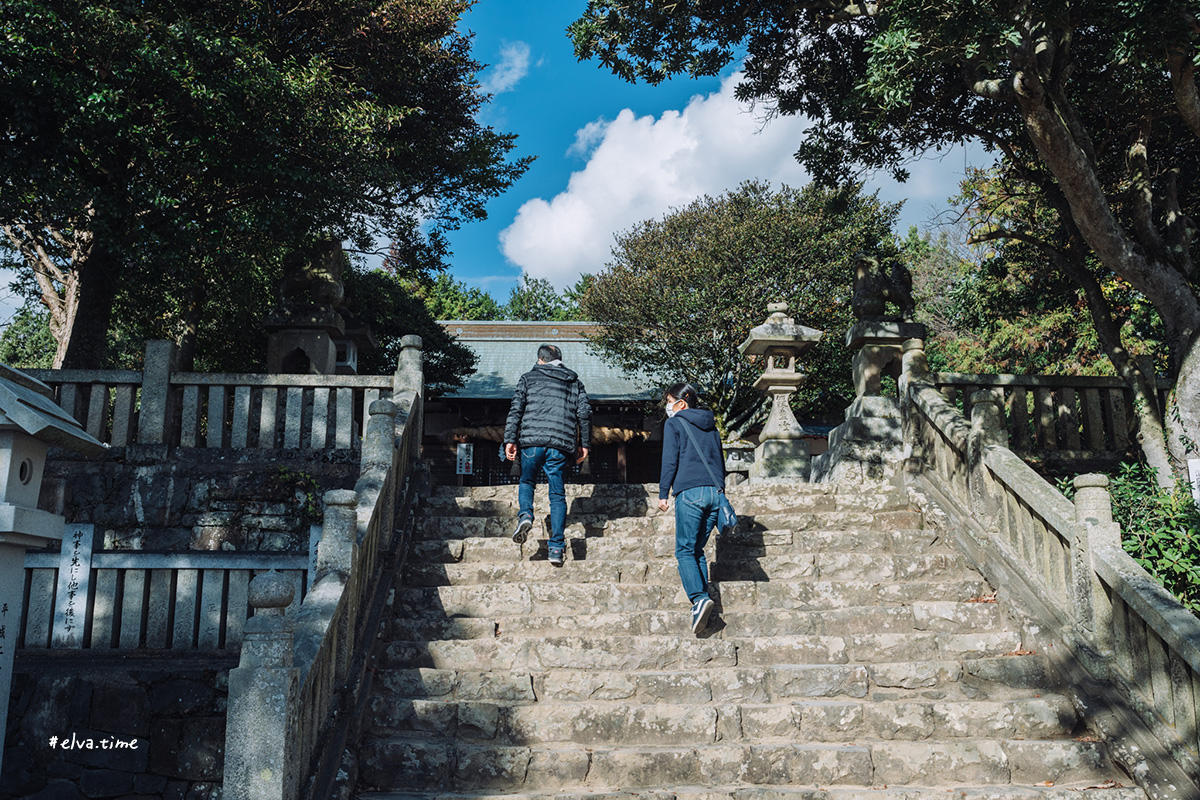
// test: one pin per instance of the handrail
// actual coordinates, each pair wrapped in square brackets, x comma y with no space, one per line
[1130,652]
[291,688]
[1008,379]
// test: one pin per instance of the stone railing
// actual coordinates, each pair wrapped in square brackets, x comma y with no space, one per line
[302,677]
[162,405]
[1060,419]
[1128,652]
[136,600]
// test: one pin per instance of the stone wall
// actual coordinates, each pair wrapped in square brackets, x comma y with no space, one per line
[142,497]
[156,727]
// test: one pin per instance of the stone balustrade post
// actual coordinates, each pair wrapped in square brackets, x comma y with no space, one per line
[913,367]
[155,411]
[987,430]
[379,446]
[379,434]
[410,376]
[336,552]
[260,758]
[913,362]
[1093,513]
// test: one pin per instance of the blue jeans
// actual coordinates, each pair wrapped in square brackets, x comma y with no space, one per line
[552,462]
[695,517]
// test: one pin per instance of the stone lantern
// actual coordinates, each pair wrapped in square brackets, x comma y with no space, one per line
[782,453]
[30,423]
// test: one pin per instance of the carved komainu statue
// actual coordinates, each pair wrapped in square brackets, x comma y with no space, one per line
[874,289]
[313,275]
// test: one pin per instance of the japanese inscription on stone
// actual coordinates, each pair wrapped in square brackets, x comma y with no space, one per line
[74,572]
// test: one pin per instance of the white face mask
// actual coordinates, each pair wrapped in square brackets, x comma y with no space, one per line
[671,410]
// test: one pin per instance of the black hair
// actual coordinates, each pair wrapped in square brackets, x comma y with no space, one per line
[686,392]
[549,352]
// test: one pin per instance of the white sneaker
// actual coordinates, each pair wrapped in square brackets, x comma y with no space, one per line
[700,614]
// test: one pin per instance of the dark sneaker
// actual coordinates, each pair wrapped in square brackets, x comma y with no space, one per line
[700,614]
[524,526]
[556,556]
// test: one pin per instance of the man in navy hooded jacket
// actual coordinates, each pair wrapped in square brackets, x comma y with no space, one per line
[551,420]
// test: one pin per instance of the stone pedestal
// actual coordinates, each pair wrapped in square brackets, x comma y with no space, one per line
[780,460]
[869,445]
[302,341]
[879,345]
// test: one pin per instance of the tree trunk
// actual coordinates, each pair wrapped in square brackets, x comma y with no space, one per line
[1163,285]
[191,326]
[1151,435]
[99,279]
[1183,408]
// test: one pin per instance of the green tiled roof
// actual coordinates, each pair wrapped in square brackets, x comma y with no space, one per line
[503,360]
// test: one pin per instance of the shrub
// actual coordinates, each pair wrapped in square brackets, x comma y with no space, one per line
[1159,529]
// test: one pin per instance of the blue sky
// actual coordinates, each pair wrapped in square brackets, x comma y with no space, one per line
[610,153]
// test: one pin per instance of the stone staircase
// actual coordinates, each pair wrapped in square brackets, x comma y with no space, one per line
[853,655]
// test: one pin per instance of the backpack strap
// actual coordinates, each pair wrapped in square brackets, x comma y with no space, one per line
[687,428]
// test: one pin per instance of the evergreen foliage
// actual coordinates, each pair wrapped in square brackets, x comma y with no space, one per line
[1093,107]
[155,150]
[1160,529]
[682,292]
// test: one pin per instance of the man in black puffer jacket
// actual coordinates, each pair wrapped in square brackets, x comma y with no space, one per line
[551,420]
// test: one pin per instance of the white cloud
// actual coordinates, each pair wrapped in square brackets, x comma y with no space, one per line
[587,137]
[513,66]
[641,167]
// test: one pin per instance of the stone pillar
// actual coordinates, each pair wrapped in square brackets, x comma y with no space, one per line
[339,534]
[410,376]
[913,363]
[880,351]
[156,406]
[1093,513]
[914,366]
[987,430]
[260,759]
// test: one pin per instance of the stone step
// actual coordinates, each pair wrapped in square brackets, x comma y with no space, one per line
[942,616]
[651,489]
[793,567]
[553,598]
[667,652]
[647,504]
[679,724]
[611,546]
[991,678]
[421,762]
[1080,791]
[586,525]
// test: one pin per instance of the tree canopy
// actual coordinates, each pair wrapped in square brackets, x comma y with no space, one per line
[176,142]
[682,292]
[1093,106]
